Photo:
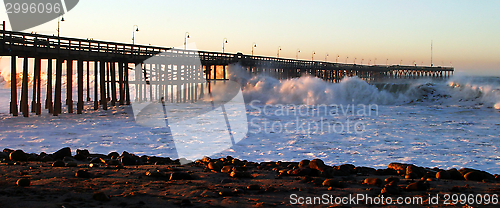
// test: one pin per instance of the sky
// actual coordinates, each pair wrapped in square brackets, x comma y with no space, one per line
[465,34]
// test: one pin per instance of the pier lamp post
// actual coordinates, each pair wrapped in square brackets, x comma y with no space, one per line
[375,61]
[400,62]
[355,60]
[135,29]
[337,59]
[253,46]
[312,56]
[386,62]
[279,49]
[346,59]
[186,36]
[224,42]
[370,61]
[297,55]
[58,24]
[362,61]
[326,57]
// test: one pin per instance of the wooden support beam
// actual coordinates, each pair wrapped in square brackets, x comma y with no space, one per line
[58,88]
[127,90]
[79,108]
[69,85]
[49,104]
[13,87]
[34,85]
[88,81]
[102,70]
[113,83]
[121,84]
[24,91]
[96,86]
[38,102]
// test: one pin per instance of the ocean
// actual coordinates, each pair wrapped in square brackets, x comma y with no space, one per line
[449,123]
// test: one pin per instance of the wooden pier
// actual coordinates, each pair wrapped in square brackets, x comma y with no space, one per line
[111,62]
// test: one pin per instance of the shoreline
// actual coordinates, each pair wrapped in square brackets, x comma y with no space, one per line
[126,180]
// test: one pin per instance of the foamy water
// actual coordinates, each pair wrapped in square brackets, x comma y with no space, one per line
[452,123]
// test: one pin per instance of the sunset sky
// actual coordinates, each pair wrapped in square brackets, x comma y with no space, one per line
[464,33]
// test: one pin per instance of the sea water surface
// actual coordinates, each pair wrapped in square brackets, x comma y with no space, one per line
[433,123]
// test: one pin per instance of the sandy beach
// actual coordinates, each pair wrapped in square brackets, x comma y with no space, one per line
[126,180]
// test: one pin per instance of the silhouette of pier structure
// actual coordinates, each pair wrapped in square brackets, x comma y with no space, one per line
[109,64]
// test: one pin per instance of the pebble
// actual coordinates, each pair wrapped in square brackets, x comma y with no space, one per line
[60,154]
[333,183]
[23,182]
[455,175]
[317,164]
[304,163]
[58,163]
[18,155]
[373,181]
[474,176]
[443,175]
[391,179]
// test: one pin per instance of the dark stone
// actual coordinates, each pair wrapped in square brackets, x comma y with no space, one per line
[417,186]
[317,164]
[3,155]
[304,163]
[414,171]
[373,181]
[455,175]
[398,166]
[227,169]
[333,183]
[113,162]
[83,174]
[180,176]
[84,152]
[8,151]
[443,175]
[47,158]
[99,196]
[346,168]
[23,182]
[80,157]
[60,154]
[300,172]
[18,155]
[474,176]
[58,163]
[113,155]
[215,165]
[391,179]
[128,159]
